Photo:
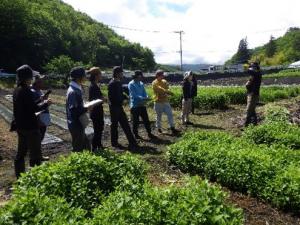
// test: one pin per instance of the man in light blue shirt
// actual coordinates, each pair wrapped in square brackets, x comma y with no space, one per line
[138,99]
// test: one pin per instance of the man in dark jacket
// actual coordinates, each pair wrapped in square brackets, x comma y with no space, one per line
[96,113]
[26,121]
[253,87]
[75,110]
[116,97]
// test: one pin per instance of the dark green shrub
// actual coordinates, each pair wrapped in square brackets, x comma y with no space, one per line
[195,203]
[83,180]
[34,208]
[240,165]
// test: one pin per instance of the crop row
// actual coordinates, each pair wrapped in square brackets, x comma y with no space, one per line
[271,173]
[111,189]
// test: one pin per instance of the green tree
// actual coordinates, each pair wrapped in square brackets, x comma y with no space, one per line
[270,48]
[243,53]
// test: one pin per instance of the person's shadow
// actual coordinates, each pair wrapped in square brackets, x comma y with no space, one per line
[142,150]
[202,126]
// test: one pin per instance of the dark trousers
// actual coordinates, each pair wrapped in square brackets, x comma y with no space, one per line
[98,125]
[136,113]
[28,140]
[43,132]
[118,115]
[79,140]
[193,105]
[251,116]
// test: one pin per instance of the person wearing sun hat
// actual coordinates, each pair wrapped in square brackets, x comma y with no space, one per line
[253,87]
[75,109]
[96,114]
[39,96]
[26,121]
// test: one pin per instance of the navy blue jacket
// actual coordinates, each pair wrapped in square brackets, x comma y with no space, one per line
[74,107]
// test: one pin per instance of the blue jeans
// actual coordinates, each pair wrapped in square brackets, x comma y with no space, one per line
[161,108]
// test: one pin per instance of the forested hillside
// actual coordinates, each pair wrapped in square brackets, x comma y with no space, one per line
[280,51]
[37,31]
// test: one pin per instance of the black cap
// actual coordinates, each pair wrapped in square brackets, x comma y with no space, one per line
[25,72]
[117,70]
[137,73]
[77,72]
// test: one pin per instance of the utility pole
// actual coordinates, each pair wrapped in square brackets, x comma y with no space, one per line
[180,51]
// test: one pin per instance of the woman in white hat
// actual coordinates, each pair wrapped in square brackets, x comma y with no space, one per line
[187,97]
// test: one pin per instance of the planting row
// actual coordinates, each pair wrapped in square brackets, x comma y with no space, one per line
[271,173]
[110,189]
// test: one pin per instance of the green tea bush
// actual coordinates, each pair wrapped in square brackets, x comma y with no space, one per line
[85,189]
[275,130]
[84,180]
[237,164]
[195,203]
[34,208]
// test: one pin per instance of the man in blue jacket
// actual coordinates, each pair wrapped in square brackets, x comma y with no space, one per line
[138,99]
[75,109]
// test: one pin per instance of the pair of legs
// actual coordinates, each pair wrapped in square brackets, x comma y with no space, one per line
[118,116]
[79,139]
[161,108]
[186,109]
[28,140]
[251,116]
[98,125]
[137,112]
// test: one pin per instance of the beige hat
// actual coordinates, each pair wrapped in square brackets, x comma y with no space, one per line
[94,70]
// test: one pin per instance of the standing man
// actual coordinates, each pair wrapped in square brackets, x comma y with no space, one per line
[96,113]
[26,121]
[161,101]
[38,95]
[253,86]
[116,97]
[75,110]
[138,99]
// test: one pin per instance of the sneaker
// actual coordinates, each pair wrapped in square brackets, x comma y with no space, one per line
[134,147]
[116,145]
[151,136]
[45,158]
[174,131]
[137,136]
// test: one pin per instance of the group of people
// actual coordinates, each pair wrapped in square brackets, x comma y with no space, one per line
[138,99]
[31,114]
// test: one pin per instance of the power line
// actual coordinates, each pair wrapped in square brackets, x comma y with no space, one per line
[140,30]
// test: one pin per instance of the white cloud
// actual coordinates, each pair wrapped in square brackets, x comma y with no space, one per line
[213,28]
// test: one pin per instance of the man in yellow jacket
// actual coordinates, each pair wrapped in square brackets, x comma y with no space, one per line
[161,101]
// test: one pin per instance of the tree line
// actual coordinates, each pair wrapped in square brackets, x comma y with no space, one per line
[280,51]
[38,32]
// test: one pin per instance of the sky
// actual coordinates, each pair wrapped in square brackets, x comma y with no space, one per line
[212,28]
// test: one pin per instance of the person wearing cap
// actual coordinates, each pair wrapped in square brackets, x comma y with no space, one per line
[75,109]
[138,99]
[38,95]
[96,114]
[187,97]
[116,97]
[26,121]
[253,87]
[161,101]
